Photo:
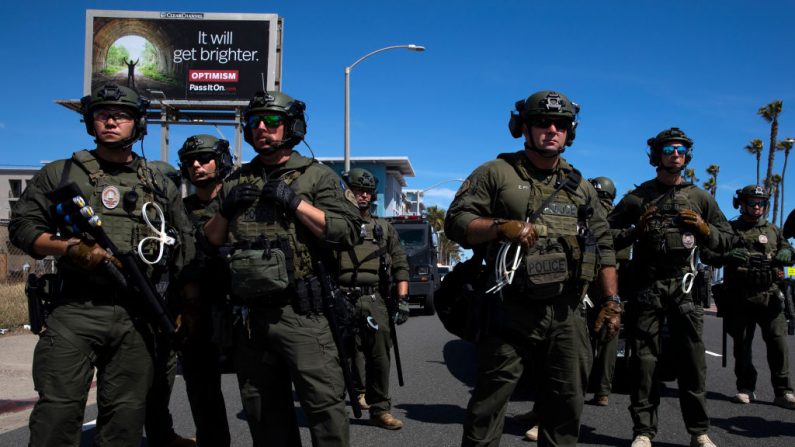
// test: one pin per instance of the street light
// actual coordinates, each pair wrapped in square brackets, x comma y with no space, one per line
[411,47]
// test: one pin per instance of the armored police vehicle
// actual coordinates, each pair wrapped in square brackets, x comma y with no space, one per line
[418,239]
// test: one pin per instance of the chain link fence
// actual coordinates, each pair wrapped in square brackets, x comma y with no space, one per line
[15,265]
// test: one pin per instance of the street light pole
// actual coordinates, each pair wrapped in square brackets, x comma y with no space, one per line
[411,47]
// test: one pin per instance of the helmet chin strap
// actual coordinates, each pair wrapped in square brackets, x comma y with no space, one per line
[546,154]
[123,144]
[672,169]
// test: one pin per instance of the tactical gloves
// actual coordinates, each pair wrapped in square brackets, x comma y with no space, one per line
[239,198]
[517,231]
[610,318]
[784,257]
[641,226]
[738,256]
[88,255]
[694,220]
[402,314]
[278,192]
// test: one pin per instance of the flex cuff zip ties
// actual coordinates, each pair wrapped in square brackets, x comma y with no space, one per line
[160,235]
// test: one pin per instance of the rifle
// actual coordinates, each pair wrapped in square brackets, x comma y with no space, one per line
[71,209]
[330,297]
[384,288]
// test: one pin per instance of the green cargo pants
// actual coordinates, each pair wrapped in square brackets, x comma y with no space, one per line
[274,347]
[661,301]
[371,357]
[555,337]
[743,321]
[62,374]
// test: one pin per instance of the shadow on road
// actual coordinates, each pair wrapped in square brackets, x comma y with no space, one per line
[459,356]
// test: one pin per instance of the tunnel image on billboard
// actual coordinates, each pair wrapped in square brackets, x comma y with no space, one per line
[185,58]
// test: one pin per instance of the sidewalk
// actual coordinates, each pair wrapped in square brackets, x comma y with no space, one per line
[17,395]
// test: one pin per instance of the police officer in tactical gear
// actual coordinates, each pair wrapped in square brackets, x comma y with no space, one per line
[667,219]
[159,424]
[97,324]
[601,377]
[534,201]
[359,278]
[283,213]
[205,161]
[752,269]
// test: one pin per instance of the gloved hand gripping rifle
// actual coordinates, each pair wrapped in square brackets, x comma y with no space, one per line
[74,215]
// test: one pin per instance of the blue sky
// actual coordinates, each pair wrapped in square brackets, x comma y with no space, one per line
[635,67]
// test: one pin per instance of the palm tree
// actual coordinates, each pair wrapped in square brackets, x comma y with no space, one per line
[709,185]
[690,175]
[786,146]
[770,113]
[775,180]
[712,170]
[448,250]
[756,147]
[436,217]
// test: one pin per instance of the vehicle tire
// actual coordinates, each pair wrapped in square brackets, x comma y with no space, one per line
[429,308]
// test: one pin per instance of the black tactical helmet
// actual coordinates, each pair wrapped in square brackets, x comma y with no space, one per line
[749,192]
[272,101]
[604,187]
[672,135]
[170,172]
[204,143]
[546,103]
[118,96]
[361,178]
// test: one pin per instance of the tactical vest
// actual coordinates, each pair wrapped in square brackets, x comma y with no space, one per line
[359,265]
[664,242]
[119,200]
[560,256]
[757,273]
[269,254]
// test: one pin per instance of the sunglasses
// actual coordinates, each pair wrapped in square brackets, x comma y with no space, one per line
[271,121]
[680,150]
[117,115]
[756,202]
[203,159]
[544,123]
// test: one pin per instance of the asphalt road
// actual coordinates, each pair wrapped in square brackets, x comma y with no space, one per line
[439,374]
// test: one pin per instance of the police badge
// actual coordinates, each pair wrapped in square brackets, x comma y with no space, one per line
[110,197]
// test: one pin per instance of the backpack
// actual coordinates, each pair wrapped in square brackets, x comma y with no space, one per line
[460,300]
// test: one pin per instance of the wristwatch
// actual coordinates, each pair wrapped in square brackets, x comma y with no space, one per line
[615,298]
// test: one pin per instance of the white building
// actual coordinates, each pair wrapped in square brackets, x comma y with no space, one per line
[13,180]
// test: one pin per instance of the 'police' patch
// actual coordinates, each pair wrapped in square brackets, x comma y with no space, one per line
[763,239]
[688,240]
[110,197]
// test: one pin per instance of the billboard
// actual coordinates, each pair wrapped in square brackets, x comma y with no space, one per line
[191,56]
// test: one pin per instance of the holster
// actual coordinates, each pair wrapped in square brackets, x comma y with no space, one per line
[40,291]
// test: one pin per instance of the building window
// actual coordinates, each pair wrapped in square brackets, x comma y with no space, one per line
[14,188]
